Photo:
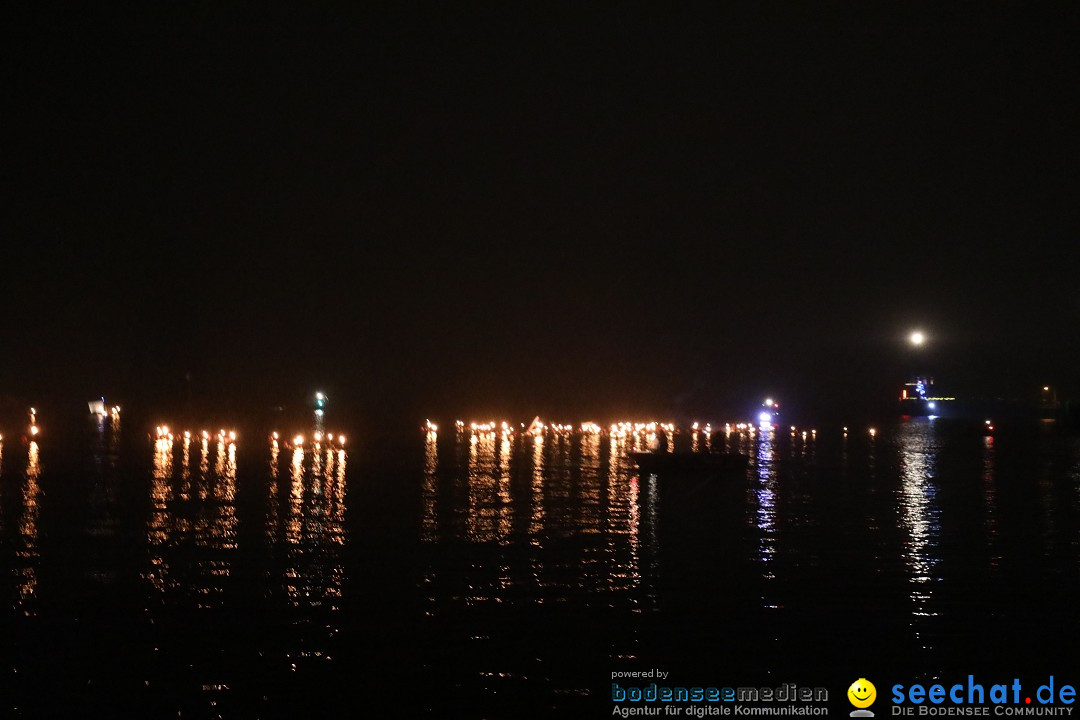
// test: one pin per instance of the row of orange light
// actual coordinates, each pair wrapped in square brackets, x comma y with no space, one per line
[164,433]
[625,429]
[587,428]
[481,427]
[318,439]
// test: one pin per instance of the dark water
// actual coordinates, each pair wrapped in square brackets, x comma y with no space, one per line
[482,576]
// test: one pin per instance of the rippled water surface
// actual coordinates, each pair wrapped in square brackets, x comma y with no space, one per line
[508,576]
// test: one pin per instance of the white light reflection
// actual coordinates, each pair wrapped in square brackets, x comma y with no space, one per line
[764,512]
[919,517]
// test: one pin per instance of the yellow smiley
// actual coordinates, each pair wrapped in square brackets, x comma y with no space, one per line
[862,693]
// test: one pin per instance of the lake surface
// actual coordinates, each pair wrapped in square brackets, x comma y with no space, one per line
[482,575]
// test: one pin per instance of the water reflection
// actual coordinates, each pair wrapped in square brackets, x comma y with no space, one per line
[488,513]
[315,530]
[193,536]
[27,552]
[545,493]
[623,529]
[536,491]
[920,517]
[540,561]
[273,503]
[429,523]
[192,527]
[990,500]
[764,506]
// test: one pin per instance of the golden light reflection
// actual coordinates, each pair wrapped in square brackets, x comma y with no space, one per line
[488,509]
[314,529]
[27,552]
[429,490]
[338,514]
[521,499]
[189,509]
[623,523]
[294,510]
[502,491]
[536,492]
[204,457]
[186,459]
[273,512]
[312,539]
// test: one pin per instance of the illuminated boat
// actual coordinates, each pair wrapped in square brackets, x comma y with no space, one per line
[705,463]
[917,398]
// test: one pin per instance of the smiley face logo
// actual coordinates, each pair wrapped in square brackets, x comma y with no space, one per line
[862,693]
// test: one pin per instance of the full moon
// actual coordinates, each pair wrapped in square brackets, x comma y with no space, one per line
[917,338]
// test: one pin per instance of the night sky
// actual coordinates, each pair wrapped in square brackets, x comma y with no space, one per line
[605,210]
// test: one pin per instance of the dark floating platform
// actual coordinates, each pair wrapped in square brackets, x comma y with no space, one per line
[706,463]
